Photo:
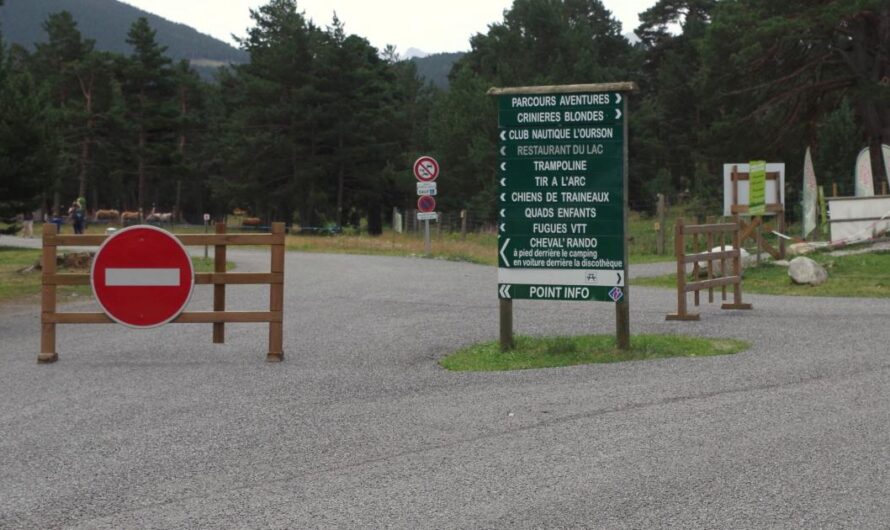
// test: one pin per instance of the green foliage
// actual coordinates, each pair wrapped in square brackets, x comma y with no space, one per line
[26,141]
[321,128]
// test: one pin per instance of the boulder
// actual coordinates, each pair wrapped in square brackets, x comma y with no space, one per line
[800,249]
[803,271]
[747,260]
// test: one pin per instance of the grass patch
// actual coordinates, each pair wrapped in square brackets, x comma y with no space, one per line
[549,352]
[855,276]
[16,285]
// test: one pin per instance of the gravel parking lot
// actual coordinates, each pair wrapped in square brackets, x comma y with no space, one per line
[360,427]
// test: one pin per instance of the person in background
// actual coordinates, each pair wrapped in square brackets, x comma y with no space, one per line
[78,216]
[28,223]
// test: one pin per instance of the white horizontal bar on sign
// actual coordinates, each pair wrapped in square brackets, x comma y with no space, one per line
[593,277]
[142,277]
[428,216]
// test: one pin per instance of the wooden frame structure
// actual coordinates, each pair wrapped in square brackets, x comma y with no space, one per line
[756,225]
[219,278]
[723,256]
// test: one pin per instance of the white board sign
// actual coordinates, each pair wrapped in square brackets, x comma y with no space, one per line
[775,190]
[857,217]
[427,216]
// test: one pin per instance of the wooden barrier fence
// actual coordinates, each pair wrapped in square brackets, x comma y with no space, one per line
[711,257]
[219,278]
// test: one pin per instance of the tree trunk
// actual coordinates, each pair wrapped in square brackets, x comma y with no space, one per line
[140,199]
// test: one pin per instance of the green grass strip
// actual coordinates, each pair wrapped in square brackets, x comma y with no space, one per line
[857,276]
[549,352]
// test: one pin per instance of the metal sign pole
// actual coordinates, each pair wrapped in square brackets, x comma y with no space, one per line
[427,246]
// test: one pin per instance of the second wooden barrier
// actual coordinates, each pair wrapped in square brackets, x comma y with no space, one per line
[711,255]
[219,278]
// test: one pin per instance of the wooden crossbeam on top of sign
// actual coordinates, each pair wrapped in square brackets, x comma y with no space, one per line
[201,278]
[564,89]
[185,239]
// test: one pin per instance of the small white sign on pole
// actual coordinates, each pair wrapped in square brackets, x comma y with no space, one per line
[427,216]
[426,188]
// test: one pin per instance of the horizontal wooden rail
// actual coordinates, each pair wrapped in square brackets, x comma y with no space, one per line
[715,282]
[195,317]
[743,208]
[186,239]
[717,255]
[201,278]
[711,228]
[770,175]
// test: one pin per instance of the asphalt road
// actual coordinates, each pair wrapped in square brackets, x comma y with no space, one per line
[360,427]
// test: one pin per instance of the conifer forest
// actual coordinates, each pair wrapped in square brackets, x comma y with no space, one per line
[320,127]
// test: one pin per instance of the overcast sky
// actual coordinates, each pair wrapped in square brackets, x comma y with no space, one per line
[429,25]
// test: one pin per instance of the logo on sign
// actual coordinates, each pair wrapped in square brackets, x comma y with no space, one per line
[591,277]
[616,294]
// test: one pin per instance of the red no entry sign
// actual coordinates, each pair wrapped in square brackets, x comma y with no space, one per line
[142,276]
[426,169]
[426,203]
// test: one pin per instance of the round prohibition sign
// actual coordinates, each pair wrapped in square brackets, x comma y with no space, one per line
[426,204]
[426,169]
[142,277]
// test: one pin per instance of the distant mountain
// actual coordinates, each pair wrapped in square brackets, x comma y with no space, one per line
[436,67]
[107,22]
[414,52]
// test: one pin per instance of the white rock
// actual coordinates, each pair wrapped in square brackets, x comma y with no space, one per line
[800,249]
[781,263]
[747,260]
[803,270]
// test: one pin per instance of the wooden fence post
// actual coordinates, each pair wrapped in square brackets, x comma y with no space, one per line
[737,269]
[506,321]
[463,225]
[219,290]
[276,297]
[48,352]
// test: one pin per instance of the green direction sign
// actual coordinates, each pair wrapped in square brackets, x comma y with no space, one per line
[565,118]
[560,292]
[567,101]
[549,149]
[561,230]
[545,135]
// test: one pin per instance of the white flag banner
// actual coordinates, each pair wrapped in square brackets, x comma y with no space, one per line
[886,150]
[865,186]
[809,194]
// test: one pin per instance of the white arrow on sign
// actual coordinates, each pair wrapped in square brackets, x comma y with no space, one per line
[504,150]
[503,182]
[503,195]
[503,135]
[503,212]
[503,248]
[618,97]
[617,114]
[503,227]
[503,166]
[504,291]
